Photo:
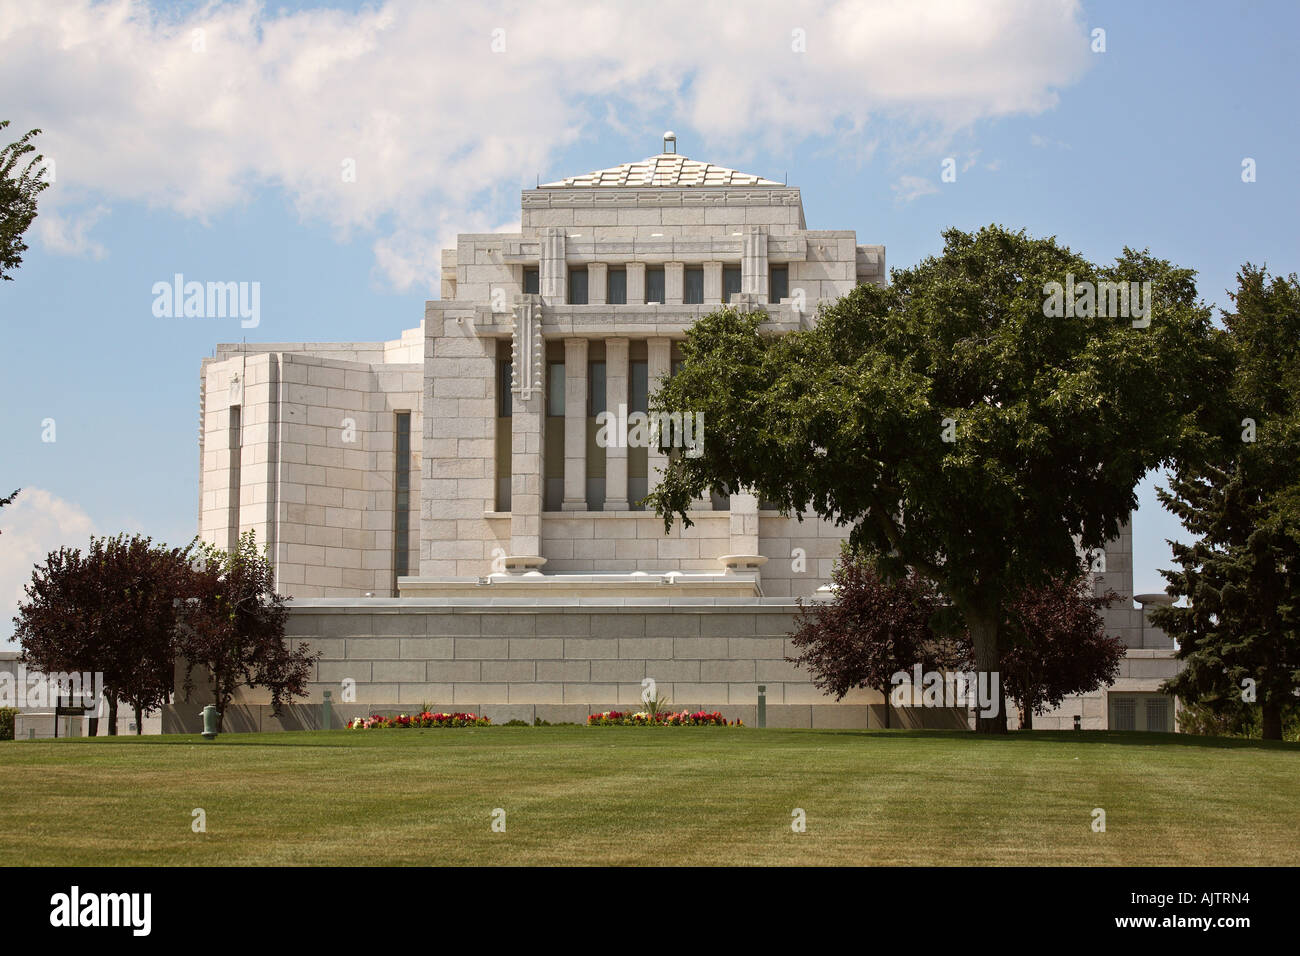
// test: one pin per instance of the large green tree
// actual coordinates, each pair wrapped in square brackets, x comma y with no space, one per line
[113,610]
[22,178]
[1239,635]
[952,419]
[233,629]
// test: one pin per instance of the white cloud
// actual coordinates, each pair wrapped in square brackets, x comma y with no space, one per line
[909,188]
[136,105]
[1042,142]
[68,235]
[37,523]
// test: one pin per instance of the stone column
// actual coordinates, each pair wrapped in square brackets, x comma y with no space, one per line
[744,554]
[674,282]
[553,278]
[713,283]
[528,418]
[658,368]
[616,396]
[753,262]
[636,283]
[744,522]
[575,425]
[597,282]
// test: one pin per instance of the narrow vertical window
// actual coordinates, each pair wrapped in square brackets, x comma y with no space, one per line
[504,437]
[616,287]
[401,497]
[730,282]
[654,284]
[595,451]
[596,388]
[532,282]
[778,286]
[693,285]
[577,287]
[236,443]
[553,436]
[555,389]
[638,481]
[503,388]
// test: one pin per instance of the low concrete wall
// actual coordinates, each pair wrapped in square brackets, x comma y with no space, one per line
[561,659]
[558,661]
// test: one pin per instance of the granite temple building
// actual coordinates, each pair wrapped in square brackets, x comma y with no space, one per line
[456,532]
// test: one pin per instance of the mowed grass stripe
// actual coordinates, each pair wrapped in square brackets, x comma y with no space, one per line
[638,796]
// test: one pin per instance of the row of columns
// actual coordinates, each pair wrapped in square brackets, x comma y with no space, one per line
[617,392]
[528,422]
[554,275]
[529,405]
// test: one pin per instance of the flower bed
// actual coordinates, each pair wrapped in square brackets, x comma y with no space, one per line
[423,719]
[668,718]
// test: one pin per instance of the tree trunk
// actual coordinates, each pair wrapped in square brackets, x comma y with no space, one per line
[112,716]
[1026,717]
[983,628]
[1272,721]
[93,726]
[139,721]
[887,707]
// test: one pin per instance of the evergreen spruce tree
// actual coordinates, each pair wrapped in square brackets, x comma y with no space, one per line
[1239,638]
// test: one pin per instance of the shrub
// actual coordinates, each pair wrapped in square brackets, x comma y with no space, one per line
[7,715]
[1234,720]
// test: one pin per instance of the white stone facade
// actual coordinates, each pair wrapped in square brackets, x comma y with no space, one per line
[459,462]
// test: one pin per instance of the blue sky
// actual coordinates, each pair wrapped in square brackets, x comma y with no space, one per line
[221,163]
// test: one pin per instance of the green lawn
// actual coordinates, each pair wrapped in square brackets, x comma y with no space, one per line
[626,795]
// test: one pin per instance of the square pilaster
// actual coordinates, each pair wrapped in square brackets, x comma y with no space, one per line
[753,262]
[636,283]
[744,522]
[674,282]
[553,277]
[526,424]
[713,283]
[597,282]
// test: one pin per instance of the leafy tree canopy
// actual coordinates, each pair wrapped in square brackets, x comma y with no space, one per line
[22,178]
[1053,419]
[234,628]
[872,629]
[110,610]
